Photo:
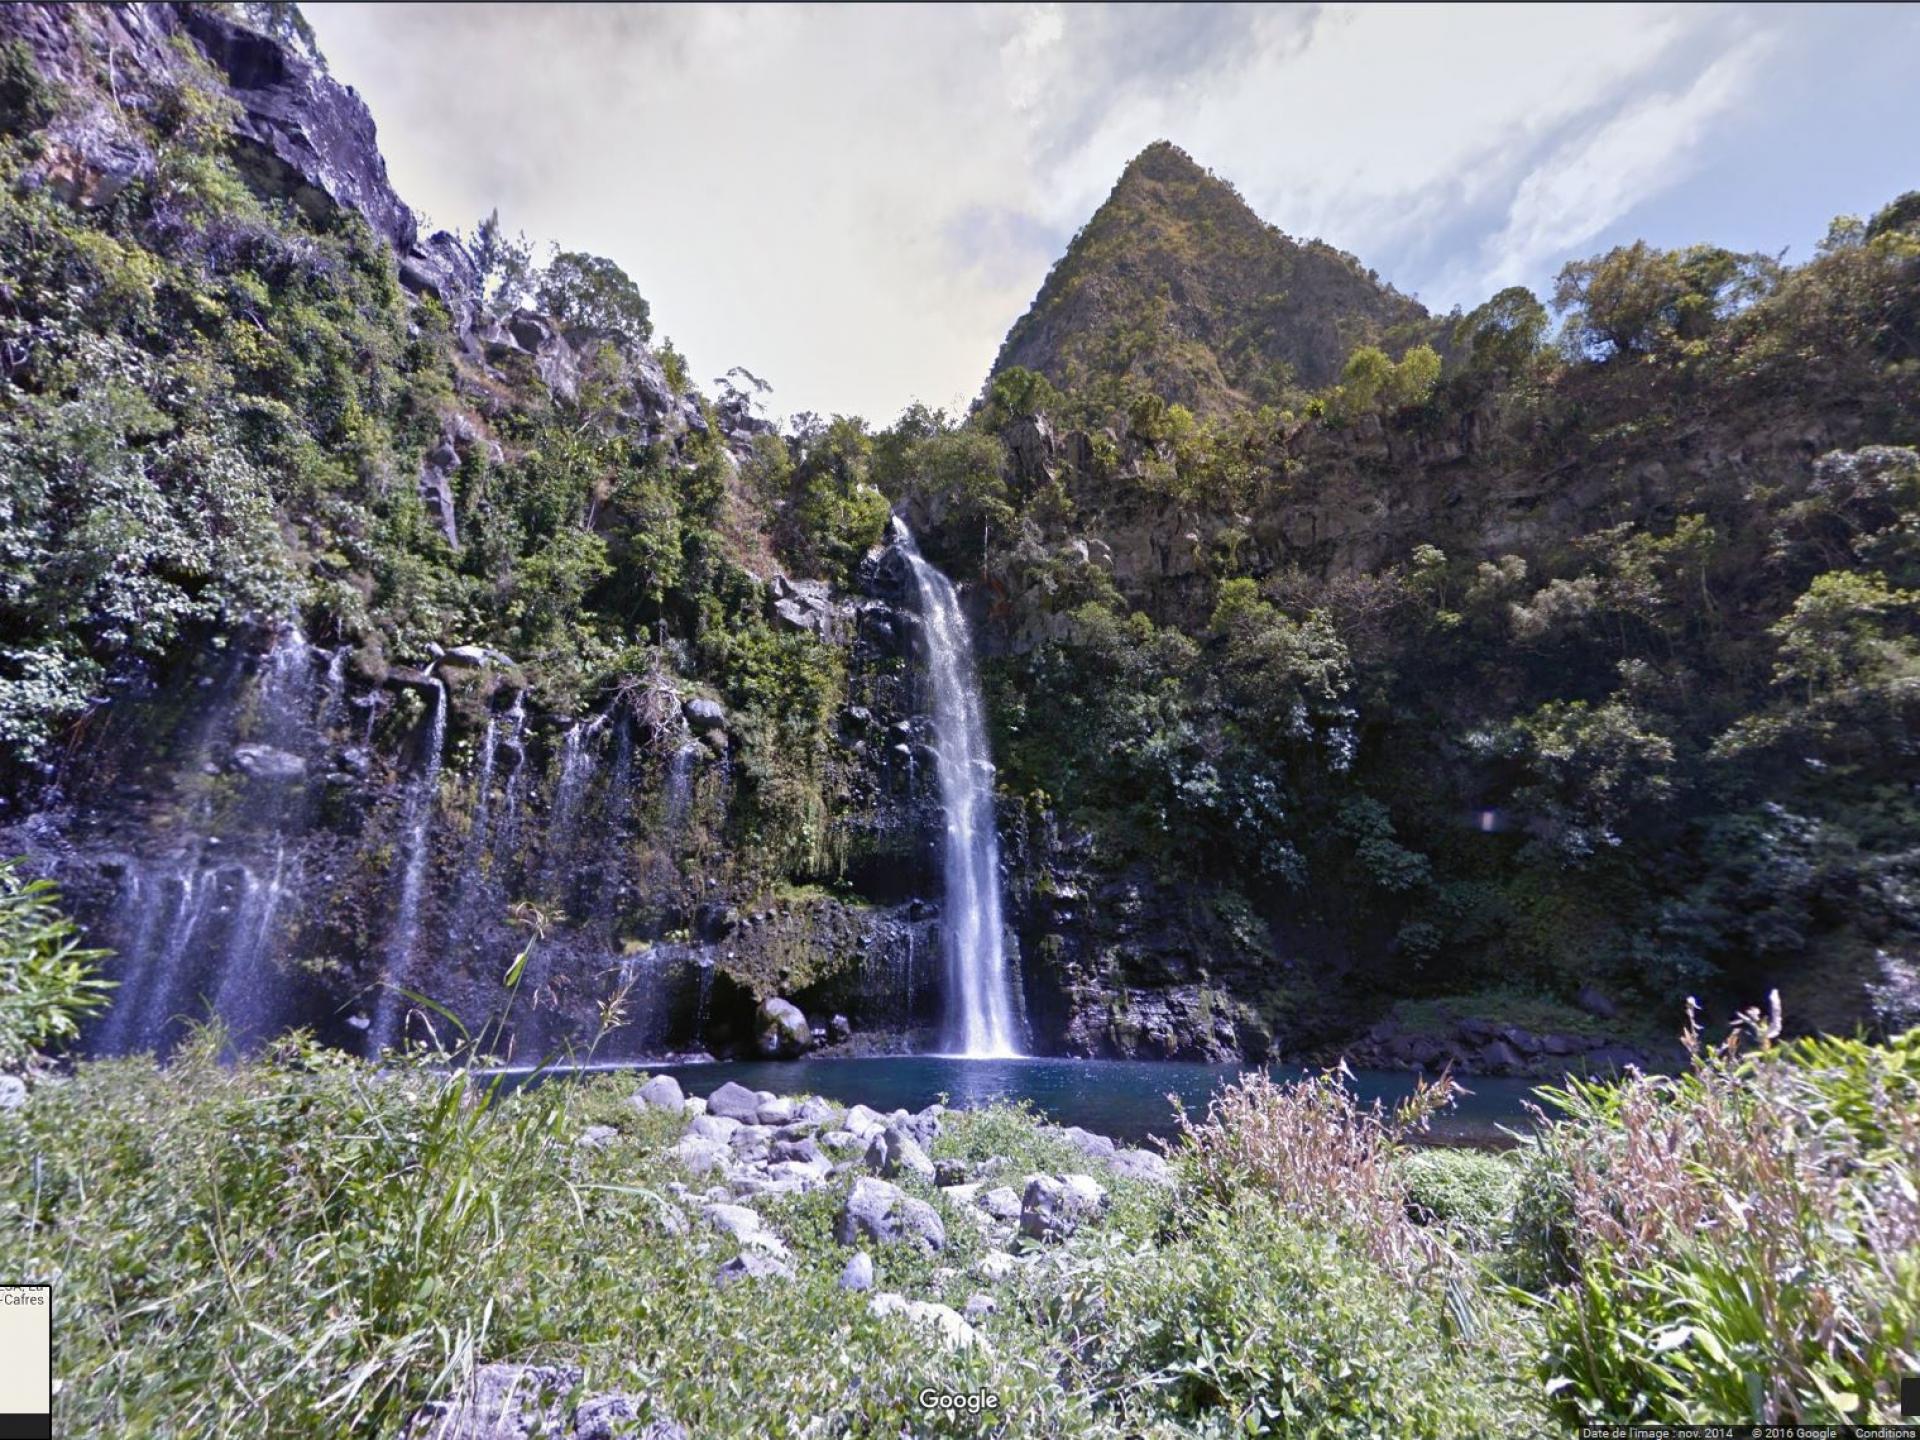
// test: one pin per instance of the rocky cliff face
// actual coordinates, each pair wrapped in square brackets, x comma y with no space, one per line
[268,838]
[274,830]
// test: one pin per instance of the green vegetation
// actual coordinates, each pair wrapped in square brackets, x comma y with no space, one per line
[1736,1244]
[1176,288]
[218,398]
[1674,710]
[47,980]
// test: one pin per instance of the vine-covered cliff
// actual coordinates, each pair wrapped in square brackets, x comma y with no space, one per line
[1358,679]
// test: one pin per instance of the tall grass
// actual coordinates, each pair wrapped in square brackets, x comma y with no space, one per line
[1744,1239]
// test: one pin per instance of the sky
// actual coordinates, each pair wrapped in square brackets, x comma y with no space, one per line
[856,203]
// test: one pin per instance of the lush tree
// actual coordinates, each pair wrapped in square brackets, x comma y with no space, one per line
[1501,336]
[1850,632]
[1636,299]
[593,292]
[505,263]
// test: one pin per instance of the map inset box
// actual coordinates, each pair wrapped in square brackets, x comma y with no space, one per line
[26,1362]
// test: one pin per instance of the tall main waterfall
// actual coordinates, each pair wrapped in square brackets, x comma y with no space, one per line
[980,1005]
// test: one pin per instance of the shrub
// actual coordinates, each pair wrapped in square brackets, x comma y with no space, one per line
[1257,1325]
[1316,1155]
[47,980]
[1745,1237]
[1469,1192]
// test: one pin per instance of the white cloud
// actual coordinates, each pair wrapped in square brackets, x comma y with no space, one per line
[1588,183]
[858,201]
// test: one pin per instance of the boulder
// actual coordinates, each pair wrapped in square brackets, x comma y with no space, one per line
[995,1266]
[943,1321]
[803,1149]
[1141,1165]
[1594,1002]
[858,1274]
[948,1173]
[816,1111]
[1500,1057]
[263,762]
[753,1265]
[738,1221]
[733,1101]
[700,1155]
[777,1111]
[895,1152]
[1054,1207]
[662,1092]
[597,1137]
[704,715]
[839,1029]
[13,1092]
[1002,1203]
[875,1210]
[864,1122]
[978,1307]
[1098,1147]
[501,1402]
[713,1127]
[781,1030]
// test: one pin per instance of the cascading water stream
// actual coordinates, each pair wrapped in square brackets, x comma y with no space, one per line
[413,880]
[981,1017]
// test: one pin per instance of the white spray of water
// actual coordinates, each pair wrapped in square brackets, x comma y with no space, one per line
[980,1005]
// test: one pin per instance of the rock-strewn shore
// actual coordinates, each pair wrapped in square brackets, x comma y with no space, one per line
[741,1146]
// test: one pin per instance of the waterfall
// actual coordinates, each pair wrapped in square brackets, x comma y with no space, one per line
[576,772]
[979,999]
[419,831]
[195,926]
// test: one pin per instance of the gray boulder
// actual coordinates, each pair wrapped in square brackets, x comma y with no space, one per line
[875,1210]
[1002,1203]
[816,1111]
[738,1221]
[662,1092]
[780,1029]
[894,1152]
[802,1149]
[943,1321]
[1053,1208]
[753,1265]
[501,1402]
[995,1266]
[263,762]
[733,1101]
[777,1111]
[597,1137]
[13,1092]
[713,1127]
[704,716]
[1141,1165]
[700,1155]
[1098,1147]
[858,1274]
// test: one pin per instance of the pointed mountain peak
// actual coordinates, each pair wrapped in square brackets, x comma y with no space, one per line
[1176,284]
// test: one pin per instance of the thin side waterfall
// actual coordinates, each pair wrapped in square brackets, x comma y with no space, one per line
[413,879]
[980,1005]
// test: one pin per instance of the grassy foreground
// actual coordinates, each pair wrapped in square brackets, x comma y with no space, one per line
[303,1246]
